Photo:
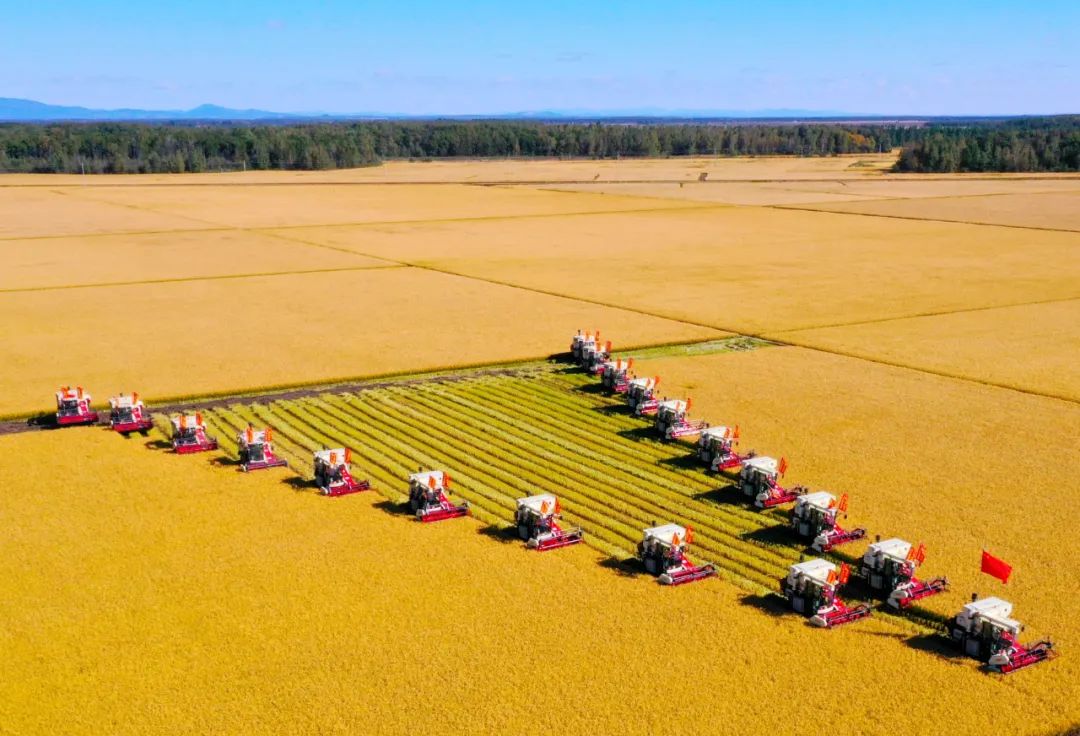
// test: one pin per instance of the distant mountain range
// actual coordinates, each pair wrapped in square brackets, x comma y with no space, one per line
[19,110]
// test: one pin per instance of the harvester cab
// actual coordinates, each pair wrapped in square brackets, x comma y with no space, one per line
[672,420]
[189,435]
[814,517]
[889,568]
[641,396]
[429,496]
[985,631]
[257,450]
[333,473]
[662,550]
[73,407]
[811,589]
[538,524]
[716,448]
[759,479]
[616,375]
[127,414]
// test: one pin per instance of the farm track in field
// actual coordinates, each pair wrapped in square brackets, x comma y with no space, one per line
[507,434]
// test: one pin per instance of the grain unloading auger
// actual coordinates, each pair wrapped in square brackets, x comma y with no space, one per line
[814,517]
[538,518]
[127,414]
[673,420]
[256,449]
[889,566]
[662,551]
[189,435]
[333,473]
[641,396]
[811,589]
[985,631]
[716,448]
[429,497]
[759,479]
[616,375]
[73,407]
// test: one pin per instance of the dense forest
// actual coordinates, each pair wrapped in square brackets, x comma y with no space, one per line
[143,148]
[1048,144]
[1036,144]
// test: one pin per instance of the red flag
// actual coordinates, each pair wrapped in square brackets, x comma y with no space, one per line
[845,573]
[996,568]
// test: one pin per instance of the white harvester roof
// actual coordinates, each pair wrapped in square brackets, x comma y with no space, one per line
[324,455]
[763,463]
[815,569]
[71,393]
[423,478]
[718,431]
[643,382]
[676,405]
[540,504]
[665,534]
[822,500]
[991,609]
[189,420]
[258,436]
[123,402]
[897,549]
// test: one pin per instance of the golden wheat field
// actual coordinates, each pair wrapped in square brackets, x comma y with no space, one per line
[924,367]
[214,601]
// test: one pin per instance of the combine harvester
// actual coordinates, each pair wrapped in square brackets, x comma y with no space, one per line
[127,414]
[662,550]
[73,408]
[716,448]
[429,497]
[672,420]
[814,517]
[333,475]
[811,589]
[616,375]
[537,519]
[888,567]
[257,450]
[579,343]
[984,631]
[759,479]
[641,396]
[588,352]
[189,435]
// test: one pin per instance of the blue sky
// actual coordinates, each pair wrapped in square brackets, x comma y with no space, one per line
[913,57]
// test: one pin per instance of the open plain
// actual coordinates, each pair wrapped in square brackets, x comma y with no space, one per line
[924,362]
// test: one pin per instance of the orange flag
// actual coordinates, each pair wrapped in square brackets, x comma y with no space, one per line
[843,503]
[783,466]
[845,573]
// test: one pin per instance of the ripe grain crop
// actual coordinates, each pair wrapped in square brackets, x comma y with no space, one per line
[747,269]
[233,601]
[218,336]
[955,465]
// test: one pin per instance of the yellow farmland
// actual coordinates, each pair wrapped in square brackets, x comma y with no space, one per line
[194,338]
[168,594]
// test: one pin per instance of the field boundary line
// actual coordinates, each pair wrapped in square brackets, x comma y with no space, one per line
[219,277]
[1037,228]
[943,313]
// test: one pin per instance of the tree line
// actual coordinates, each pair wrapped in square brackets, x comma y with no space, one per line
[1036,144]
[152,148]
[1051,144]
